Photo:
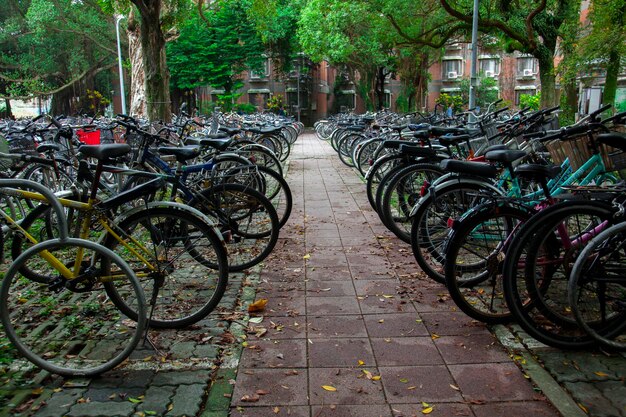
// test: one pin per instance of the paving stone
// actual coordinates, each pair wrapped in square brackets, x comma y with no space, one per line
[401,351]
[288,353]
[379,304]
[377,287]
[452,324]
[328,326]
[616,392]
[60,402]
[282,328]
[332,305]
[395,325]
[283,387]
[438,409]
[293,306]
[102,409]
[181,377]
[351,411]
[340,352]
[492,382]
[592,399]
[187,400]
[405,384]
[515,409]
[113,394]
[290,411]
[351,384]
[477,348]
[329,274]
[330,289]
[157,399]
[182,350]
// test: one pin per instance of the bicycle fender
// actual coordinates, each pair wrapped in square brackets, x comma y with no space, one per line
[171,204]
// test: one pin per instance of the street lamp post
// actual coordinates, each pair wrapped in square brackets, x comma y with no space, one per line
[119,62]
[473,75]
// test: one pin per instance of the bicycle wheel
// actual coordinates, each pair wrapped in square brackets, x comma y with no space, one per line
[402,193]
[246,218]
[262,156]
[182,267]
[363,155]
[475,253]
[537,267]
[596,288]
[268,182]
[432,218]
[376,172]
[70,327]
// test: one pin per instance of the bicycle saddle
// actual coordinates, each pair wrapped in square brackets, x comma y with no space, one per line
[536,172]
[219,144]
[472,168]
[417,150]
[504,155]
[453,140]
[613,139]
[181,154]
[102,152]
[230,130]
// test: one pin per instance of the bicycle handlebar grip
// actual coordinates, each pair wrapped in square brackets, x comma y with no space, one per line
[498,101]
[524,110]
[55,122]
[550,110]
[495,113]
[599,111]
[533,135]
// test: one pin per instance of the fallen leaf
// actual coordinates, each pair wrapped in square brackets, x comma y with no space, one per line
[329,388]
[602,374]
[454,387]
[250,398]
[256,320]
[307,256]
[404,380]
[434,336]
[368,374]
[276,410]
[376,378]
[381,321]
[427,410]
[410,388]
[361,363]
[37,391]
[262,392]
[258,305]
[134,400]
[387,296]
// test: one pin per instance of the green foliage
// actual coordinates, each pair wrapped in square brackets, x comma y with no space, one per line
[486,92]
[46,44]
[532,101]
[215,53]
[245,108]
[275,103]
[445,100]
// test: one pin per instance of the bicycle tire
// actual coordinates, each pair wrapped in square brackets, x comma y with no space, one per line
[595,288]
[536,273]
[474,255]
[191,263]
[61,329]
[430,223]
[402,193]
[246,217]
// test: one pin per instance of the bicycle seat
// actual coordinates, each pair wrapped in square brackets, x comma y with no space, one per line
[102,152]
[440,131]
[398,128]
[356,128]
[421,134]
[219,144]
[181,154]
[472,168]
[452,140]
[613,139]
[419,126]
[394,144]
[536,172]
[505,155]
[48,146]
[417,150]
[495,148]
[124,197]
[231,131]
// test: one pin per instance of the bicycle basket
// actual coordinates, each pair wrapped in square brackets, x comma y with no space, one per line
[22,143]
[578,151]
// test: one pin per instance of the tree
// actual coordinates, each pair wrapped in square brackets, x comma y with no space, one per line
[605,41]
[530,27]
[51,48]
[216,51]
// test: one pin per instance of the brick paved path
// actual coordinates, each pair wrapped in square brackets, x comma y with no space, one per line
[354,330]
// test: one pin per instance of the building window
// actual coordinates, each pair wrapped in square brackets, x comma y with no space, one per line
[262,73]
[527,91]
[346,101]
[258,97]
[452,69]
[526,67]
[489,67]
[292,99]
[387,100]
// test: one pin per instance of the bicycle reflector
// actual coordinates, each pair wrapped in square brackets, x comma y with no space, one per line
[424,189]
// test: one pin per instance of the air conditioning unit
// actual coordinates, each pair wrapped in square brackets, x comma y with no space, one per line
[528,72]
[489,74]
[452,75]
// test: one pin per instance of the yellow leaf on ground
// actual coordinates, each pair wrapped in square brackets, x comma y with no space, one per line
[361,363]
[368,374]
[427,410]
[376,378]
[307,256]
[602,374]
[258,305]
[434,336]
[329,388]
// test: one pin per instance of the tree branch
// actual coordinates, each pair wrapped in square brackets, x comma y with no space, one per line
[485,23]
[91,71]
[529,23]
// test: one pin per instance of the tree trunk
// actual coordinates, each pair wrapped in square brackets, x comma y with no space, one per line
[612,71]
[155,67]
[547,78]
[7,109]
[137,75]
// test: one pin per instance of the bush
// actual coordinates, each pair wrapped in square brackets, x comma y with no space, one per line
[527,100]
[446,100]
[245,108]
[275,103]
